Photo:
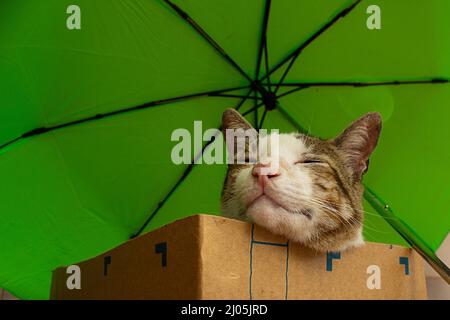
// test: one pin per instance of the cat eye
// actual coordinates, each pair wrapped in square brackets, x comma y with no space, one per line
[310,161]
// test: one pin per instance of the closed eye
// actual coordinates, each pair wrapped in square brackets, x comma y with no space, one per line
[310,161]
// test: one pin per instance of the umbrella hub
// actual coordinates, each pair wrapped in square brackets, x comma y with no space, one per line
[269,99]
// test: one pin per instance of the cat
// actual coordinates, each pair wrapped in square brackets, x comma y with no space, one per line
[314,195]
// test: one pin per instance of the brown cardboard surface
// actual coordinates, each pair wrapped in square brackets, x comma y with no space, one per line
[225,253]
[135,270]
[210,257]
[349,274]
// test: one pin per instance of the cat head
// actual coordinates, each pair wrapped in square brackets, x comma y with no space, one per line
[313,195]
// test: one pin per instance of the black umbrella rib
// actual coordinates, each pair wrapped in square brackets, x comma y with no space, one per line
[300,87]
[262,119]
[207,37]
[10,142]
[292,120]
[255,114]
[252,109]
[185,174]
[294,55]
[263,40]
[304,85]
[233,96]
[262,50]
[41,130]
[310,40]
[167,196]
[266,63]
[134,108]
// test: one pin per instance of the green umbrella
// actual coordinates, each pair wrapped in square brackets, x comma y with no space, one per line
[87,114]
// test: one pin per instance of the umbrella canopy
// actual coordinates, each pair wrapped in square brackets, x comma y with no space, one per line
[86,115]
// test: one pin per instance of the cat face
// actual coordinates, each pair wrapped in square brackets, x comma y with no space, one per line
[308,190]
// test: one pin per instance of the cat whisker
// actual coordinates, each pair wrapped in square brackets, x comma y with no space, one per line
[322,204]
[376,215]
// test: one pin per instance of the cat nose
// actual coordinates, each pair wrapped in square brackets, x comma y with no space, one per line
[267,170]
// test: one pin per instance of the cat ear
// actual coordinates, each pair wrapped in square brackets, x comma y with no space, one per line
[234,128]
[231,119]
[358,141]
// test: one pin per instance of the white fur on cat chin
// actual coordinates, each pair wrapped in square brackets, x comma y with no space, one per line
[296,228]
[355,243]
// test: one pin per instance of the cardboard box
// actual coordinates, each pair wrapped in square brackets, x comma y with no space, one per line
[210,257]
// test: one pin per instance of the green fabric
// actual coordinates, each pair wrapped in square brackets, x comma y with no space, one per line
[72,193]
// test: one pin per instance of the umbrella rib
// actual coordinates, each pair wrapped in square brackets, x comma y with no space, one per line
[256,111]
[252,109]
[262,49]
[207,37]
[292,91]
[262,119]
[41,130]
[266,62]
[385,211]
[408,234]
[233,96]
[293,56]
[304,85]
[185,174]
[9,142]
[291,119]
[263,40]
